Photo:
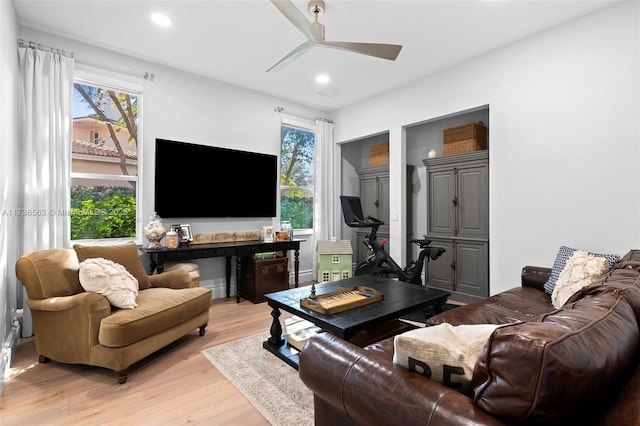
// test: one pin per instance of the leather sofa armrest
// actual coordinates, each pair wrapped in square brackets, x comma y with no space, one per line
[365,386]
[535,276]
[626,408]
[171,279]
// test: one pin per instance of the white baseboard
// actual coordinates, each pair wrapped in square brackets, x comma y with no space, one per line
[303,277]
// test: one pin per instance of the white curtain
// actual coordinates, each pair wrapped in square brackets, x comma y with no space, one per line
[326,188]
[44,150]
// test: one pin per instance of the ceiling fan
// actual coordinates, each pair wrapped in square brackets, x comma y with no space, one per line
[315,35]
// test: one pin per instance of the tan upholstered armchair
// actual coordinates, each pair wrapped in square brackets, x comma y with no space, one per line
[77,327]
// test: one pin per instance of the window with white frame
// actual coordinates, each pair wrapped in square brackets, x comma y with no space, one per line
[297,172]
[105,185]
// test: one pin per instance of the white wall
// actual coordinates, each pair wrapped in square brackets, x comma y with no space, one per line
[564,138]
[8,193]
[186,107]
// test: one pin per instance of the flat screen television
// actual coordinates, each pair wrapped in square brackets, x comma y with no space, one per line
[205,181]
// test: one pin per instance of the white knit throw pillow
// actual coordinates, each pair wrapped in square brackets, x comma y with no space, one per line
[581,270]
[110,279]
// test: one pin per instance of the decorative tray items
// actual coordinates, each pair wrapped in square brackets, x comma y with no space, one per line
[342,300]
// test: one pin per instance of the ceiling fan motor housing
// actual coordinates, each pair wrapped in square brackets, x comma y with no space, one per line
[316,7]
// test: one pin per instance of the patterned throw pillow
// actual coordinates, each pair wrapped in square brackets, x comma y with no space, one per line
[561,261]
[444,352]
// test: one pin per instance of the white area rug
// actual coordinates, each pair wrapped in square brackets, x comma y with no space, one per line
[272,386]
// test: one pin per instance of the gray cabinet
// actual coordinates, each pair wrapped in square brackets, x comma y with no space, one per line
[458,220]
[374,193]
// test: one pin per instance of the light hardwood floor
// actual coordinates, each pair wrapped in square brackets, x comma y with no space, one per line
[174,386]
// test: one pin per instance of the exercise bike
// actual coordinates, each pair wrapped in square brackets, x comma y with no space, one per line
[378,261]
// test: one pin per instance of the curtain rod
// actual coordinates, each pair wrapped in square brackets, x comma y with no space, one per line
[33,45]
[127,71]
[280,110]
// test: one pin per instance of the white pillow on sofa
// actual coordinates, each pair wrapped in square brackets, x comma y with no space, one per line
[582,269]
[444,352]
[561,261]
[110,279]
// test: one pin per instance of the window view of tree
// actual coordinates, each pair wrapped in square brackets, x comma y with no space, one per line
[297,155]
[104,163]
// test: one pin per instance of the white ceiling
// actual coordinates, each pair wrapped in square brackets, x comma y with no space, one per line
[236,41]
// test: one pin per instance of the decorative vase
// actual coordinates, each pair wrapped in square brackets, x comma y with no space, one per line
[154,231]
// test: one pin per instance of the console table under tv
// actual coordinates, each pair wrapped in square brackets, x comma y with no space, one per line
[239,249]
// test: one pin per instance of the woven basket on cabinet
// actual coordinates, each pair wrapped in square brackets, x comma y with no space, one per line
[467,138]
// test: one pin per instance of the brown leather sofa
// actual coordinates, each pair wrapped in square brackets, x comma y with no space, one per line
[577,365]
[74,326]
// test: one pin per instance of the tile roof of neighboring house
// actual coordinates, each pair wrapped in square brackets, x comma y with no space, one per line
[95,117]
[83,147]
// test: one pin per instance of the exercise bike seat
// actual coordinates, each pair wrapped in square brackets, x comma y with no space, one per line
[422,243]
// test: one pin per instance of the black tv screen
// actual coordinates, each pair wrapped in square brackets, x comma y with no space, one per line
[204,181]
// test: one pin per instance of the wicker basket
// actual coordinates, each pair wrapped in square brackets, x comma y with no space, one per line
[467,138]
[379,155]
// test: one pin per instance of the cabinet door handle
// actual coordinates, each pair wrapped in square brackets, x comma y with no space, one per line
[377,203]
[455,200]
[453,264]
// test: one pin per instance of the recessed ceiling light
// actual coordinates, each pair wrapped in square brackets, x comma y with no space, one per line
[322,79]
[161,19]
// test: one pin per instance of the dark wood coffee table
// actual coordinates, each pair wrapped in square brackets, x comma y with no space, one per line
[400,298]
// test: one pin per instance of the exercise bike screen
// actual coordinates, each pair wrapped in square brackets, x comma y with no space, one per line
[351,209]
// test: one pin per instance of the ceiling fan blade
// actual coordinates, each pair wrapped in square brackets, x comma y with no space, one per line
[292,56]
[384,51]
[296,17]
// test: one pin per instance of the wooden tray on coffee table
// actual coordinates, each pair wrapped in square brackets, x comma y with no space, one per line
[342,300]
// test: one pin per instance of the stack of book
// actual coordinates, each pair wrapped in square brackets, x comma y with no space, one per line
[265,255]
[298,331]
